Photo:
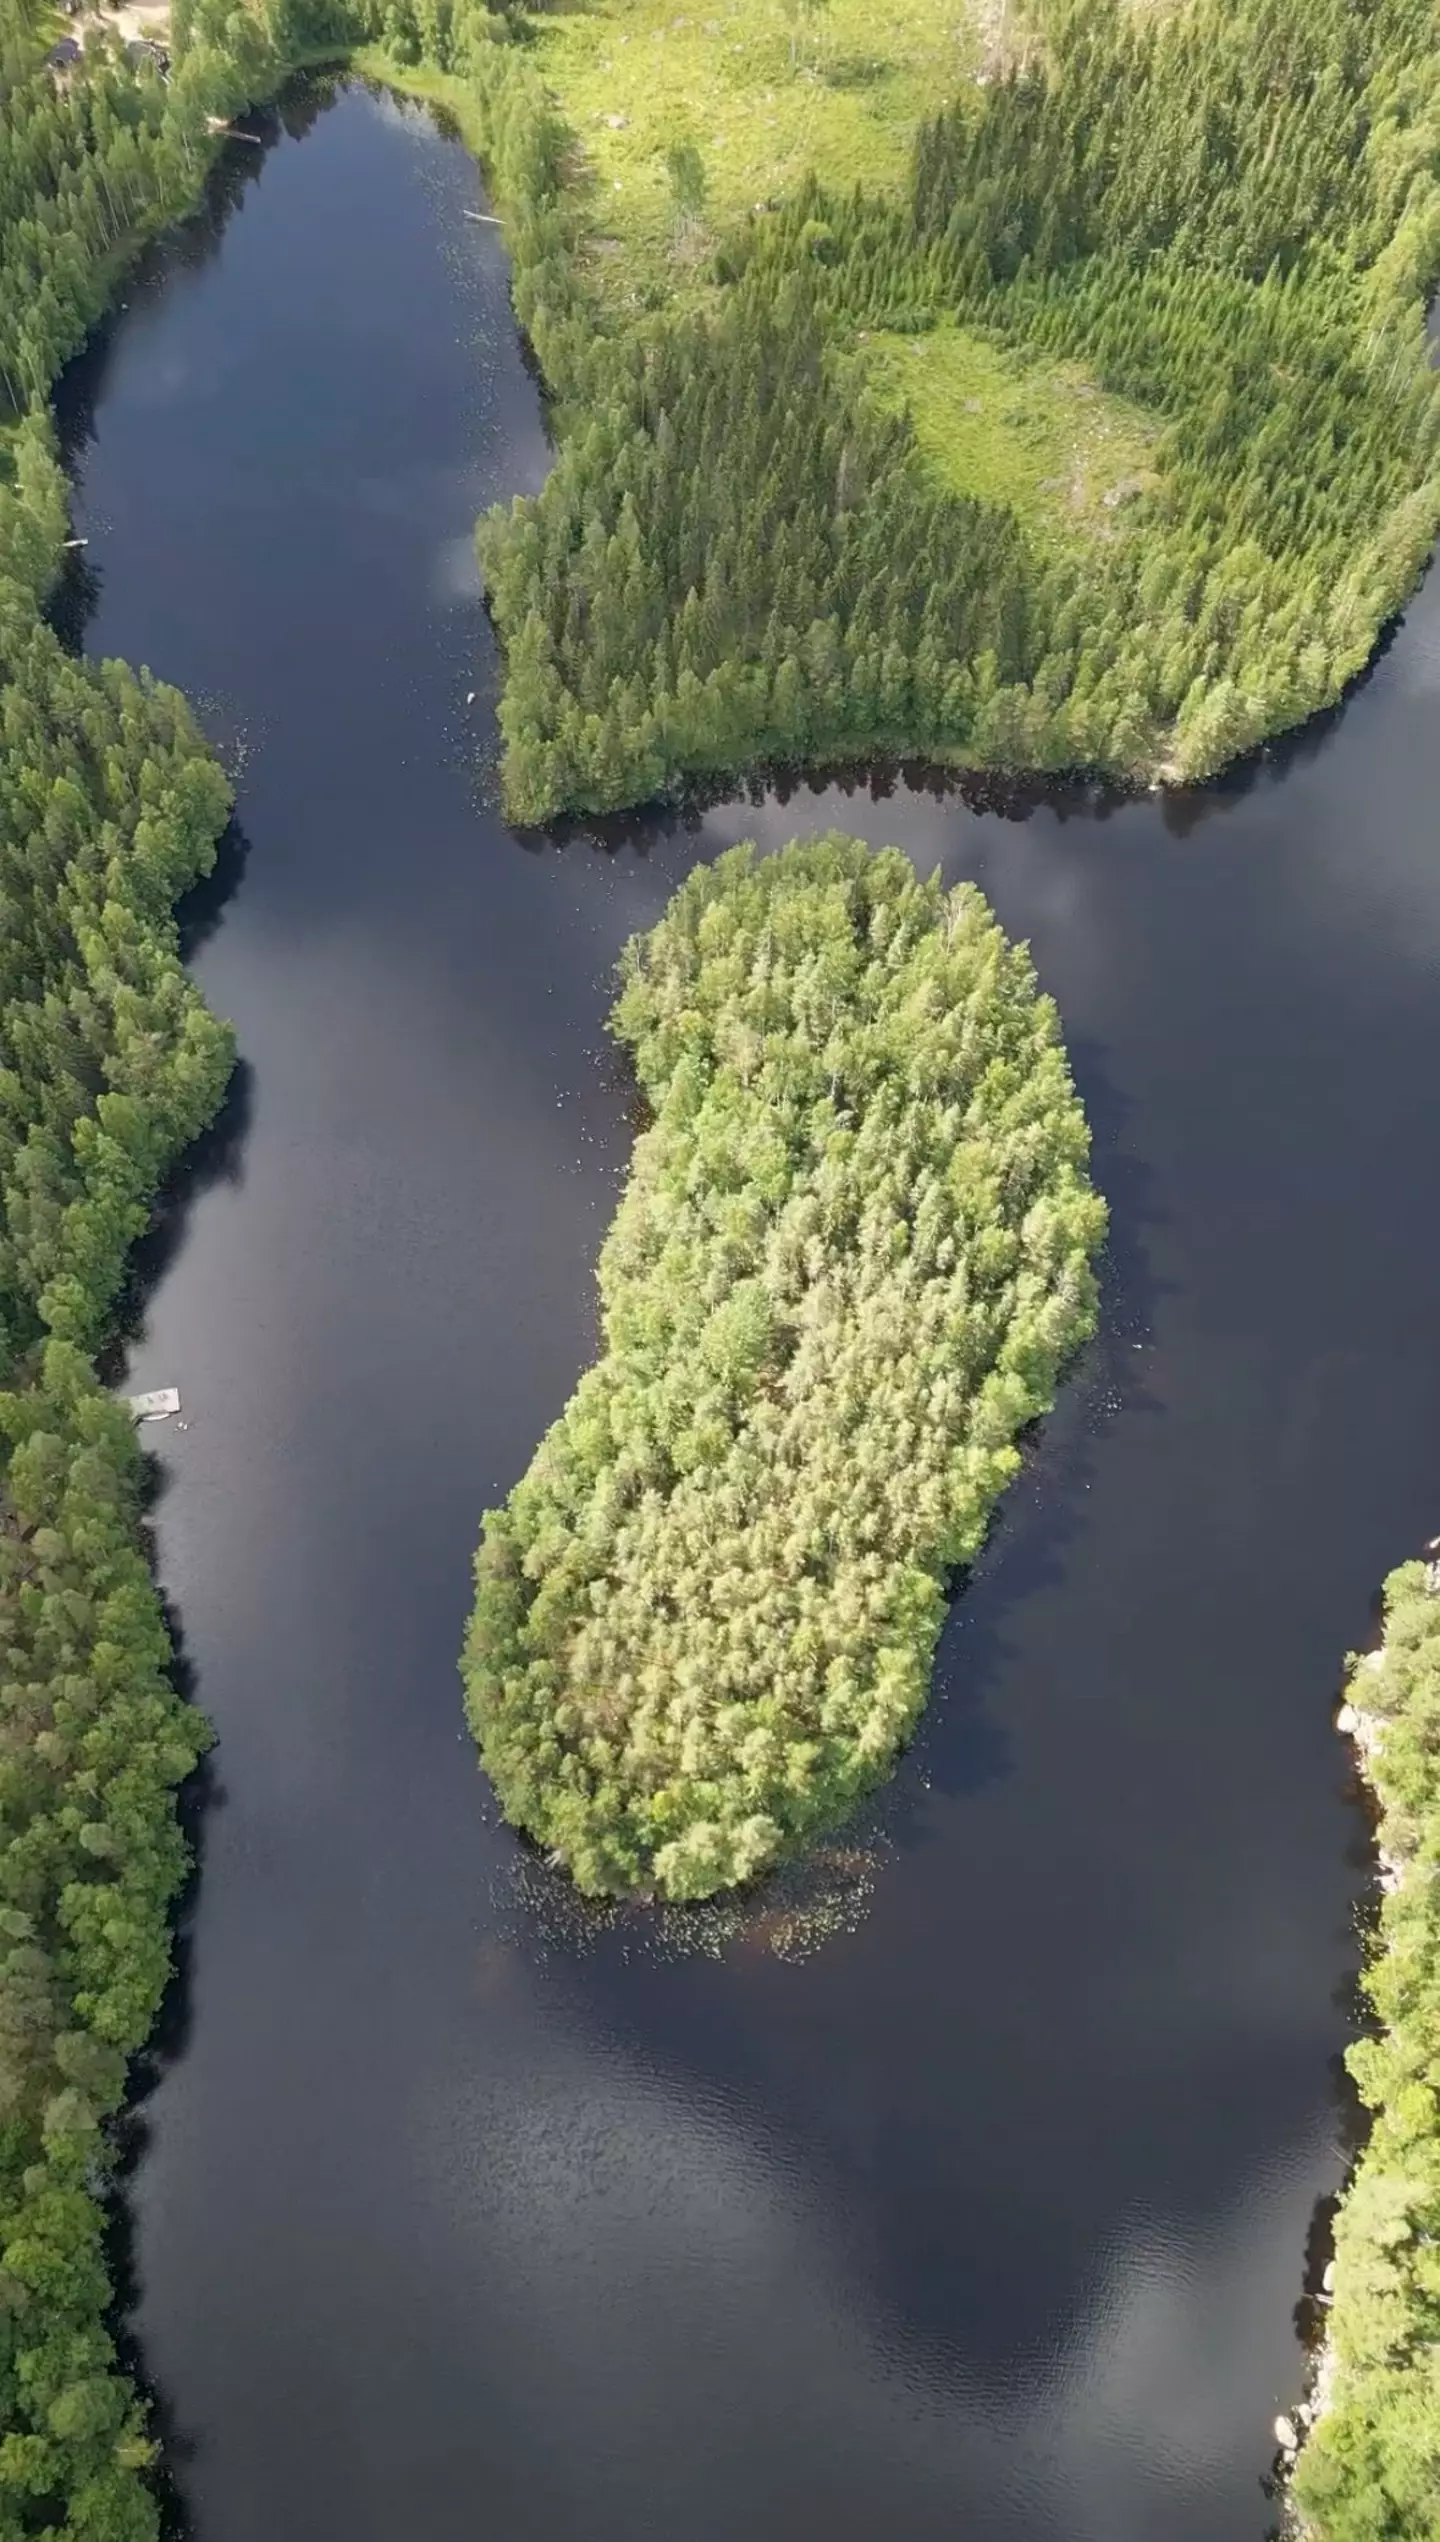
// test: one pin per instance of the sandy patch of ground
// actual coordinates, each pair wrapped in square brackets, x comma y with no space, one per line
[133,21]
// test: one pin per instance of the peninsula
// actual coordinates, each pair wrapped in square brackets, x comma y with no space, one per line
[1035,388]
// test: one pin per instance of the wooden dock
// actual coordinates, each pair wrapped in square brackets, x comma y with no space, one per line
[156,1406]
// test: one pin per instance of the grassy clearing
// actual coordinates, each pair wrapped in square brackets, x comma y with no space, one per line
[762,95]
[1017,429]
[765,91]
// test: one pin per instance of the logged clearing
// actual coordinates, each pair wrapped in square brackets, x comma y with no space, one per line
[765,89]
[1018,429]
[768,90]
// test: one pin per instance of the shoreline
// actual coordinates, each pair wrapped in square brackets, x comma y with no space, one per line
[1293,2429]
[1369,1731]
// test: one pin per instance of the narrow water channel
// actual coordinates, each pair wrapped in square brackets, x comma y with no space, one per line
[978,2206]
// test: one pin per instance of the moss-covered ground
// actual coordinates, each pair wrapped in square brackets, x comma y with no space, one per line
[1021,430]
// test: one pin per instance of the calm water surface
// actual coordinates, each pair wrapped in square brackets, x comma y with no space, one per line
[986,2217]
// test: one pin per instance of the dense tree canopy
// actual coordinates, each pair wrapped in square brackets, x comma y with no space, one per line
[852,1255]
[1370,2471]
[109,1065]
[1231,211]
[93,1741]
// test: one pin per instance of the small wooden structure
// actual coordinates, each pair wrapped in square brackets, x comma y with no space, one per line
[157,1405]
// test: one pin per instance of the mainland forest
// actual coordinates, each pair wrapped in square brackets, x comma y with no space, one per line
[1227,212]
[1065,404]
[110,806]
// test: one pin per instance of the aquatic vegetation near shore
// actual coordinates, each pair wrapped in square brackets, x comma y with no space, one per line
[853,1253]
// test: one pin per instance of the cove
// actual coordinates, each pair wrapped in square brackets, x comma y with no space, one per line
[452,2211]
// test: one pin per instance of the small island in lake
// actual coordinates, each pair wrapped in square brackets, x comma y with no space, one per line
[854,1251]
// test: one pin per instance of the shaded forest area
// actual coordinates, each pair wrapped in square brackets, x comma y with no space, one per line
[852,1255]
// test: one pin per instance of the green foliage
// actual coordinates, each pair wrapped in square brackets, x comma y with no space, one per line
[769,97]
[91,165]
[93,1740]
[1370,2469]
[802,18]
[686,170]
[853,1254]
[999,420]
[1229,215]
[110,806]
[681,599]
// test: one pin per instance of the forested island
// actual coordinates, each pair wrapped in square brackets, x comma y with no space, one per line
[853,1253]
[1369,2469]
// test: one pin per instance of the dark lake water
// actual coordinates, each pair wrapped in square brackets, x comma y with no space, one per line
[964,2190]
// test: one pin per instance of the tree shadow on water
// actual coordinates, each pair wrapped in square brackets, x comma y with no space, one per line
[1353,2120]
[132,2134]
[204,905]
[216,1157]
[963,1745]
[190,244]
